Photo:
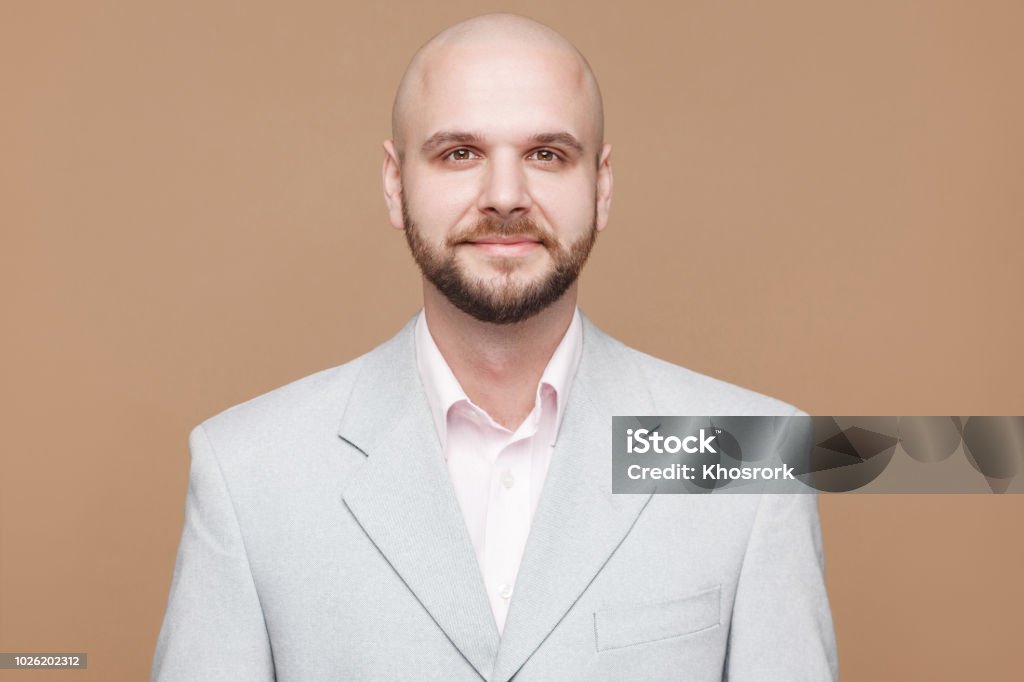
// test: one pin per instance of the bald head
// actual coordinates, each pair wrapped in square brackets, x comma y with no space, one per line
[508,37]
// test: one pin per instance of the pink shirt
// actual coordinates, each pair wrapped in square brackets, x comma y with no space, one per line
[497,474]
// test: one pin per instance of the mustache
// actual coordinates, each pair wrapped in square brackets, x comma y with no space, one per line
[492,227]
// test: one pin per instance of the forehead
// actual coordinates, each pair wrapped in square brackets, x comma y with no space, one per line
[502,92]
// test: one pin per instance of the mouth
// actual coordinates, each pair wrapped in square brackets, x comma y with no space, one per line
[515,245]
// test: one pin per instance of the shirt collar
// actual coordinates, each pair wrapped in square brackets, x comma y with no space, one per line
[443,389]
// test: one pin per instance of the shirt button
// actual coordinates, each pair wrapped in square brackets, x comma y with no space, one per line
[507,479]
[505,591]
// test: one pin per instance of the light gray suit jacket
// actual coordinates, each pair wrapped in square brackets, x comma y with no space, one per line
[323,541]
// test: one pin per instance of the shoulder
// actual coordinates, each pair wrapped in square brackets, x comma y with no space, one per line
[306,409]
[679,390]
[295,414]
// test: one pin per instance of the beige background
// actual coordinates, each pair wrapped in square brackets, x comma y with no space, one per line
[820,201]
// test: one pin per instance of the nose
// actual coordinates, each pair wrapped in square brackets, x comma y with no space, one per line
[505,193]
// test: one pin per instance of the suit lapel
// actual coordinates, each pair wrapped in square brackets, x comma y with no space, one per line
[404,501]
[578,523]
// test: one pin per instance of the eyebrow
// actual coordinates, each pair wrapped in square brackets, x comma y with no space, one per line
[445,137]
[564,139]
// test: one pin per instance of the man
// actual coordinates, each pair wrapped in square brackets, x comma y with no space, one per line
[441,507]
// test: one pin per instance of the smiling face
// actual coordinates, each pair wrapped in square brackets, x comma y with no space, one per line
[497,174]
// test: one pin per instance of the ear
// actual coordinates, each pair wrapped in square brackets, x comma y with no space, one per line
[604,187]
[392,176]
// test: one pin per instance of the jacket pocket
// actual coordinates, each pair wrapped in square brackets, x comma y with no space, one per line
[620,627]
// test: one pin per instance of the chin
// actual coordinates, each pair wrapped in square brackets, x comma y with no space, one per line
[530,267]
[514,277]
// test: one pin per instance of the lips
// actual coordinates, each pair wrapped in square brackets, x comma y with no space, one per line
[506,246]
[515,239]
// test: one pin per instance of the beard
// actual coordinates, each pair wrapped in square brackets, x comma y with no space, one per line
[506,301]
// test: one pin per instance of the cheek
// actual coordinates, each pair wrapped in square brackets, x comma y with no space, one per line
[569,207]
[439,203]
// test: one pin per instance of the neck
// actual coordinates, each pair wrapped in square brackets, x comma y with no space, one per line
[498,365]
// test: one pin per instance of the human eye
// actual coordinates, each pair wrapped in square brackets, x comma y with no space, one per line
[460,154]
[546,155]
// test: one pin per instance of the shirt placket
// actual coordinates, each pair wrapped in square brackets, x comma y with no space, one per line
[508,522]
